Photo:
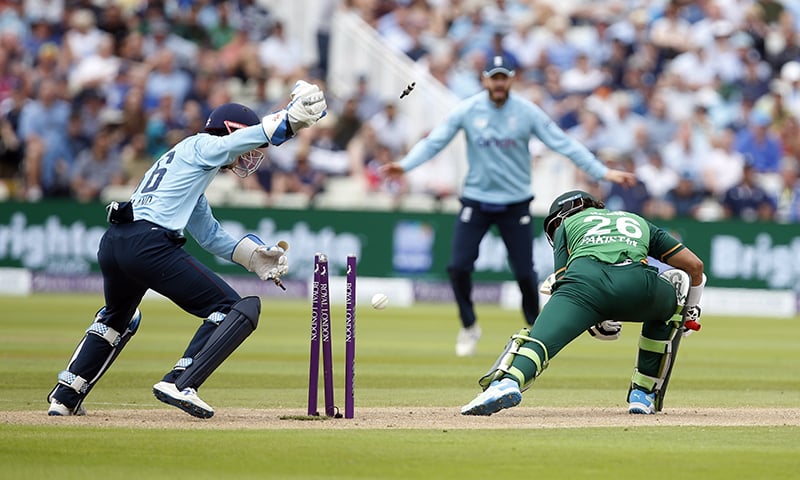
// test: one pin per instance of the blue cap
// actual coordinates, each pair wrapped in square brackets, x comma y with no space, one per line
[499,64]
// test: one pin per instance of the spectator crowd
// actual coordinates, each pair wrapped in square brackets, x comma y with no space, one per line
[701,99]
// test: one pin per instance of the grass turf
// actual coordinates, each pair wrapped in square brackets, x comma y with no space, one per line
[405,358]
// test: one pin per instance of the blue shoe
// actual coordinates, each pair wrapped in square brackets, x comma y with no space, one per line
[501,394]
[640,402]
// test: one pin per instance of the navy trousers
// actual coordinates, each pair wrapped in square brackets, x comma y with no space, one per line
[138,256]
[513,222]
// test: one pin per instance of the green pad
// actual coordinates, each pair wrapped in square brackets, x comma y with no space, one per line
[502,365]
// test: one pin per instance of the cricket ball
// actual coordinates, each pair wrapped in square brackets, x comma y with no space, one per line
[379,301]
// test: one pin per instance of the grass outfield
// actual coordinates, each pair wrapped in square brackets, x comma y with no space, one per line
[406,365]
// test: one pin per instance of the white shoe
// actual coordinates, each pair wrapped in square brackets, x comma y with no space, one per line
[501,394]
[467,341]
[58,409]
[186,399]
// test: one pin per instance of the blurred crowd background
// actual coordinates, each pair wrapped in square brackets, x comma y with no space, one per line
[700,98]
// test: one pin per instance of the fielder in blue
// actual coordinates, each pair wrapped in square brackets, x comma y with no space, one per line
[498,125]
[143,249]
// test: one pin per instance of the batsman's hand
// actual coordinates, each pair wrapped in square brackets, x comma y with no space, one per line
[546,288]
[607,330]
[307,106]
[692,323]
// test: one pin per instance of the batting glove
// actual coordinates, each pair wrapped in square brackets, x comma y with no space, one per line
[692,323]
[607,330]
[546,288]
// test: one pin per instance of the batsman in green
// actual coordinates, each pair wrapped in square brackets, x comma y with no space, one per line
[602,278]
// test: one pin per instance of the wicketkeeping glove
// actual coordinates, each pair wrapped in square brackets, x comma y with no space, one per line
[268,262]
[305,109]
[307,106]
[607,330]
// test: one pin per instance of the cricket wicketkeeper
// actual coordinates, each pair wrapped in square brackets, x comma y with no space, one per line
[143,250]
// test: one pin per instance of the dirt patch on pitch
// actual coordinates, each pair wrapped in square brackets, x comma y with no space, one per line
[444,418]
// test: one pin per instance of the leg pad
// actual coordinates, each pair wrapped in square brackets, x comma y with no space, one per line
[92,357]
[503,365]
[238,324]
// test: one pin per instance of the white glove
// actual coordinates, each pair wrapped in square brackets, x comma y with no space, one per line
[268,262]
[307,106]
[692,323]
[692,313]
[606,330]
[546,288]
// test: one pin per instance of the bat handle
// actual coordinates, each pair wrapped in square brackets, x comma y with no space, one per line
[277,281]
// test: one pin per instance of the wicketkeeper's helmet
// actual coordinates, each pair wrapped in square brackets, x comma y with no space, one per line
[567,204]
[229,117]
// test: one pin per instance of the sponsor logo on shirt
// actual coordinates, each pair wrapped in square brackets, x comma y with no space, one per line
[484,142]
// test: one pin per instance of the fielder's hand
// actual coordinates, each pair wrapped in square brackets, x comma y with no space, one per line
[307,106]
[268,262]
[392,170]
[620,177]
[607,330]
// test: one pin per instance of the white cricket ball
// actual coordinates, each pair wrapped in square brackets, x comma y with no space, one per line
[379,301]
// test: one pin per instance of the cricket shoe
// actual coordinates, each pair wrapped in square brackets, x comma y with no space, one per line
[186,399]
[58,409]
[467,341]
[501,394]
[641,403]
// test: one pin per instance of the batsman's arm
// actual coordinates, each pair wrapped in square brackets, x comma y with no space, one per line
[669,250]
[690,263]
[560,252]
